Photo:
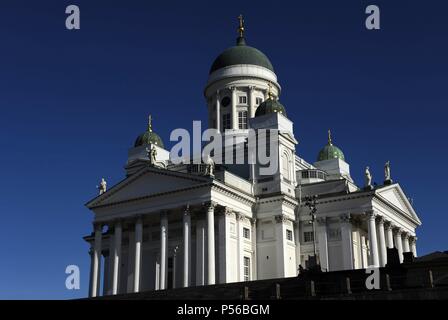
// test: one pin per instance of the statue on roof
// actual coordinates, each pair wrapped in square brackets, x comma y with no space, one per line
[210,166]
[152,154]
[368,178]
[102,187]
[387,178]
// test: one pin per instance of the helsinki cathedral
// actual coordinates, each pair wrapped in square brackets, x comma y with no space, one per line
[170,225]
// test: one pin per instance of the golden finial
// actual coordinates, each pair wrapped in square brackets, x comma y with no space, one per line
[241,27]
[150,123]
[329,137]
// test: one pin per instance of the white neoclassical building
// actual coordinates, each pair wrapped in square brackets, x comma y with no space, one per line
[169,225]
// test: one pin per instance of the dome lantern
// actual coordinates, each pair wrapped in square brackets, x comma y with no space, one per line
[330,151]
[149,137]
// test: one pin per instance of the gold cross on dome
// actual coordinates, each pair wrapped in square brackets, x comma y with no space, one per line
[241,27]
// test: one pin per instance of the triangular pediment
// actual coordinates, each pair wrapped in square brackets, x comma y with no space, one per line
[145,183]
[394,196]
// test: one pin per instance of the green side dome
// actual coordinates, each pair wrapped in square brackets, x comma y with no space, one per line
[149,137]
[330,151]
[241,54]
[270,106]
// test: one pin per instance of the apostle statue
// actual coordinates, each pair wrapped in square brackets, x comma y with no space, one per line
[210,166]
[387,178]
[368,178]
[152,154]
[102,187]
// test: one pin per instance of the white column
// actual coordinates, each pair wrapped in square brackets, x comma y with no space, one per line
[346,242]
[364,258]
[138,252]
[240,256]
[211,243]
[406,243]
[371,226]
[254,249]
[297,242]
[116,257]
[218,112]
[382,242]
[163,249]
[234,114]
[322,245]
[187,246]
[200,253]
[91,271]
[414,246]
[106,278]
[96,260]
[390,235]
[251,112]
[176,249]
[399,244]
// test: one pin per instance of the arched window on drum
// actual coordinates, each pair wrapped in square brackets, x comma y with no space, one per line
[286,170]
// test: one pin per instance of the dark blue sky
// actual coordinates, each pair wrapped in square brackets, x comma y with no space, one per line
[73,102]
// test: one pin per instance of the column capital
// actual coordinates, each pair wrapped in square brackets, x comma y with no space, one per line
[321,220]
[97,225]
[187,210]
[164,214]
[280,218]
[210,205]
[413,239]
[232,88]
[118,221]
[371,214]
[388,224]
[345,218]
[224,211]
[405,235]
[253,221]
[398,231]
[217,93]
[239,216]
[380,220]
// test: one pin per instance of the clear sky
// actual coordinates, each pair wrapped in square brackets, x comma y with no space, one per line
[73,102]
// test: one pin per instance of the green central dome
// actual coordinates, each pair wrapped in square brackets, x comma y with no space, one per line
[149,137]
[330,151]
[241,54]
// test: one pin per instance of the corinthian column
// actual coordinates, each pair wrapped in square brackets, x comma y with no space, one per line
[372,238]
[96,260]
[211,242]
[406,243]
[187,246]
[399,244]
[234,114]
[138,252]
[323,245]
[382,242]
[218,112]
[251,112]
[346,241]
[389,234]
[116,257]
[163,249]
[414,246]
